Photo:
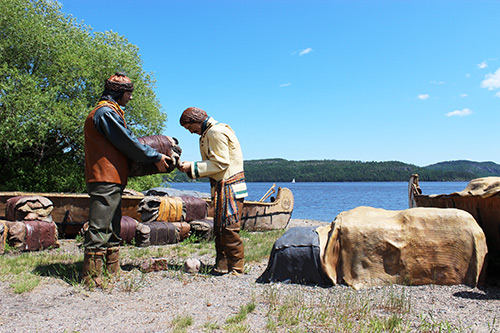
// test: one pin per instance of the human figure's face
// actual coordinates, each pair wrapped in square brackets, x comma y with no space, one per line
[193,128]
[127,97]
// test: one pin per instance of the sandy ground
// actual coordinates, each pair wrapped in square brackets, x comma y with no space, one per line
[151,302]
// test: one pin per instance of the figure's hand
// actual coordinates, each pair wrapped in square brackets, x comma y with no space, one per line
[185,167]
[162,164]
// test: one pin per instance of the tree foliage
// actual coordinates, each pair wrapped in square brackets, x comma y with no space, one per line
[145,183]
[52,72]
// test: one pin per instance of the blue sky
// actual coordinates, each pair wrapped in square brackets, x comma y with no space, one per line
[412,81]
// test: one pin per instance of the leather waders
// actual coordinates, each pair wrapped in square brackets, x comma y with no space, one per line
[104,216]
[103,233]
[92,268]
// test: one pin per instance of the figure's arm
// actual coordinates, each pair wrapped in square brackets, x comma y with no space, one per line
[112,126]
[218,158]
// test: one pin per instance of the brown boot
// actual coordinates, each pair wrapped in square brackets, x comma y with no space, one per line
[220,258]
[113,262]
[238,266]
[220,266]
[92,268]
[234,241]
[238,263]
[234,249]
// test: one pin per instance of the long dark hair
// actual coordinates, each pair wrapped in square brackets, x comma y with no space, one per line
[111,95]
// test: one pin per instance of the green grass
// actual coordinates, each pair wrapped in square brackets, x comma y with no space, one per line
[429,324]
[345,312]
[132,282]
[23,270]
[340,310]
[242,314]
[210,326]
[258,245]
[25,283]
[181,323]
[237,328]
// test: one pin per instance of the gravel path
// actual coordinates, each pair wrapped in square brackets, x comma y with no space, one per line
[151,302]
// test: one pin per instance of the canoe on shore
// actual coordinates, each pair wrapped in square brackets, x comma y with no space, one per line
[481,198]
[71,210]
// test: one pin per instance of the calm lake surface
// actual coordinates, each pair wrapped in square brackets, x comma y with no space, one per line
[323,201]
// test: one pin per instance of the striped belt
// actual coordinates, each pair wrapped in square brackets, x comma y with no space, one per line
[226,209]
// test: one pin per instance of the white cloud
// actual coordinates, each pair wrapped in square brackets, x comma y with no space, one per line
[463,95]
[305,51]
[461,113]
[482,65]
[423,97]
[492,81]
[437,82]
[285,84]
[497,94]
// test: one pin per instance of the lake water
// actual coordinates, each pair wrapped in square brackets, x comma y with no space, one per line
[324,201]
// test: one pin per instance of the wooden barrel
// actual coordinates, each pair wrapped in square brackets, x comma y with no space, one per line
[170,209]
[127,229]
[195,208]
[40,235]
[162,233]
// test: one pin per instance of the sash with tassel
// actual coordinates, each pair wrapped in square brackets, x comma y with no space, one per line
[226,209]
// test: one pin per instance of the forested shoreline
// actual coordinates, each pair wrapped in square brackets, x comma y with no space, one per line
[281,170]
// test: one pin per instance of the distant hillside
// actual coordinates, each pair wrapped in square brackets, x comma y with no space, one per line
[479,169]
[281,170]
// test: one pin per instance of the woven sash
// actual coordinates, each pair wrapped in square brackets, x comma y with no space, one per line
[226,209]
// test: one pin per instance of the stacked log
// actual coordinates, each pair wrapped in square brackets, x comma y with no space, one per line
[171,219]
[128,229]
[29,225]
